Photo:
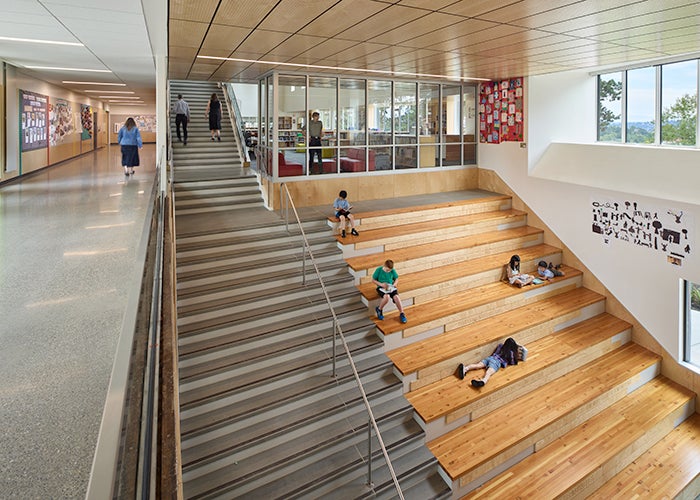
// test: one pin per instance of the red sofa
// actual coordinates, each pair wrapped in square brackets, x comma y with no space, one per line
[354,161]
[287,169]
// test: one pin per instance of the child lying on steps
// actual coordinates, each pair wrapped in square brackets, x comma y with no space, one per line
[507,353]
[548,272]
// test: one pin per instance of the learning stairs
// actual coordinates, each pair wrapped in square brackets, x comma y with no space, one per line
[588,415]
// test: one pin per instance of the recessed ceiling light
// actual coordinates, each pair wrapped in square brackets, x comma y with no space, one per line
[131,103]
[96,83]
[126,98]
[341,68]
[109,91]
[125,102]
[33,40]
[69,69]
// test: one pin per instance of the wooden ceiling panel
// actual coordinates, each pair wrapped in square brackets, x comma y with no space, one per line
[327,49]
[243,13]
[492,33]
[422,4]
[292,16]
[423,26]
[634,13]
[355,52]
[187,33]
[383,21]
[463,28]
[295,45]
[186,10]
[261,41]
[385,55]
[180,54]
[629,35]
[518,41]
[221,38]
[342,16]
[648,22]
[478,8]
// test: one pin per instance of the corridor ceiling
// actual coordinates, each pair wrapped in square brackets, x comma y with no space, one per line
[487,39]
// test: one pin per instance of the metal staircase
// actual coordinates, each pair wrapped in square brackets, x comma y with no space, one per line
[261,414]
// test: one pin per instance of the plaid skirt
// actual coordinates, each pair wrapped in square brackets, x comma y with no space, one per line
[130,156]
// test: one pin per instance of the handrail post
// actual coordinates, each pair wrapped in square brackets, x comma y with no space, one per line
[303,263]
[335,332]
[369,454]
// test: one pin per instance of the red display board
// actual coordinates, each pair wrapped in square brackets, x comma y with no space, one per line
[501,111]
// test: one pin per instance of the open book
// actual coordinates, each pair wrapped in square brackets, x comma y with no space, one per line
[389,289]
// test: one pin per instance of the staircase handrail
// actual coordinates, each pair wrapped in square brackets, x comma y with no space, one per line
[288,201]
[236,120]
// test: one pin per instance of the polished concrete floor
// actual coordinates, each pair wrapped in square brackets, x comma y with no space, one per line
[68,264]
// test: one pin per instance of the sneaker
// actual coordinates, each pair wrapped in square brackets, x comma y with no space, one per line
[218,138]
[354,233]
[478,383]
[460,371]
[403,318]
[184,143]
[380,315]
[212,138]
[342,233]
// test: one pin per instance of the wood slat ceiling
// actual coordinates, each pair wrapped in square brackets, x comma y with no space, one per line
[489,39]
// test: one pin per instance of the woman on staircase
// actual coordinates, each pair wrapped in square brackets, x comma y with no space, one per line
[214,114]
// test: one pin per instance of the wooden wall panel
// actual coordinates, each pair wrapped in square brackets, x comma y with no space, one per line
[33,160]
[323,190]
[65,150]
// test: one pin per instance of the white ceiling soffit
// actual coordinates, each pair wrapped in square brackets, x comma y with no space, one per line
[113,34]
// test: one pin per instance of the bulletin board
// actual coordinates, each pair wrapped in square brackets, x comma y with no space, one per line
[501,115]
[34,120]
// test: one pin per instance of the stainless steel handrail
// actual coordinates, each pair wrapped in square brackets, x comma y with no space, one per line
[147,452]
[337,330]
[236,119]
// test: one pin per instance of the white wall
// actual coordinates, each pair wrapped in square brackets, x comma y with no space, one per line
[247,96]
[565,179]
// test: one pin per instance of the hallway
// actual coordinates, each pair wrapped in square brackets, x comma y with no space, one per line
[70,261]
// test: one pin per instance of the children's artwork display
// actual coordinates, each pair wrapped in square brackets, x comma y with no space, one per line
[501,115]
[86,121]
[664,230]
[61,122]
[34,120]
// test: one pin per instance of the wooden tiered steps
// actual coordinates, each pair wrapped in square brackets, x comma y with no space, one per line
[669,469]
[373,219]
[431,283]
[427,256]
[581,411]
[462,308]
[574,465]
[523,426]
[430,231]
[434,358]
[450,402]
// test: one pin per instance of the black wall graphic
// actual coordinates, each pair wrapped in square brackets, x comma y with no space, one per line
[664,230]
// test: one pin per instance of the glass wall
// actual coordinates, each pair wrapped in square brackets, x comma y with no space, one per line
[610,107]
[641,105]
[291,109]
[679,103]
[364,125]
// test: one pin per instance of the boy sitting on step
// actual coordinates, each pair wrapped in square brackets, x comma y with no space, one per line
[507,353]
[342,211]
[386,279]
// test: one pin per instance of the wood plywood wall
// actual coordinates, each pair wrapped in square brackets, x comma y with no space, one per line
[321,191]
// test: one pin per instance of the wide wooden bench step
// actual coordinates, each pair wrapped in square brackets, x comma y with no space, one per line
[463,307]
[445,279]
[484,333]
[669,469]
[430,231]
[573,465]
[425,256]
[373,219]
[548,358]
[542,415]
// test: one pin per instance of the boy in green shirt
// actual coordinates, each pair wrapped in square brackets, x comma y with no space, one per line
[386,279]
